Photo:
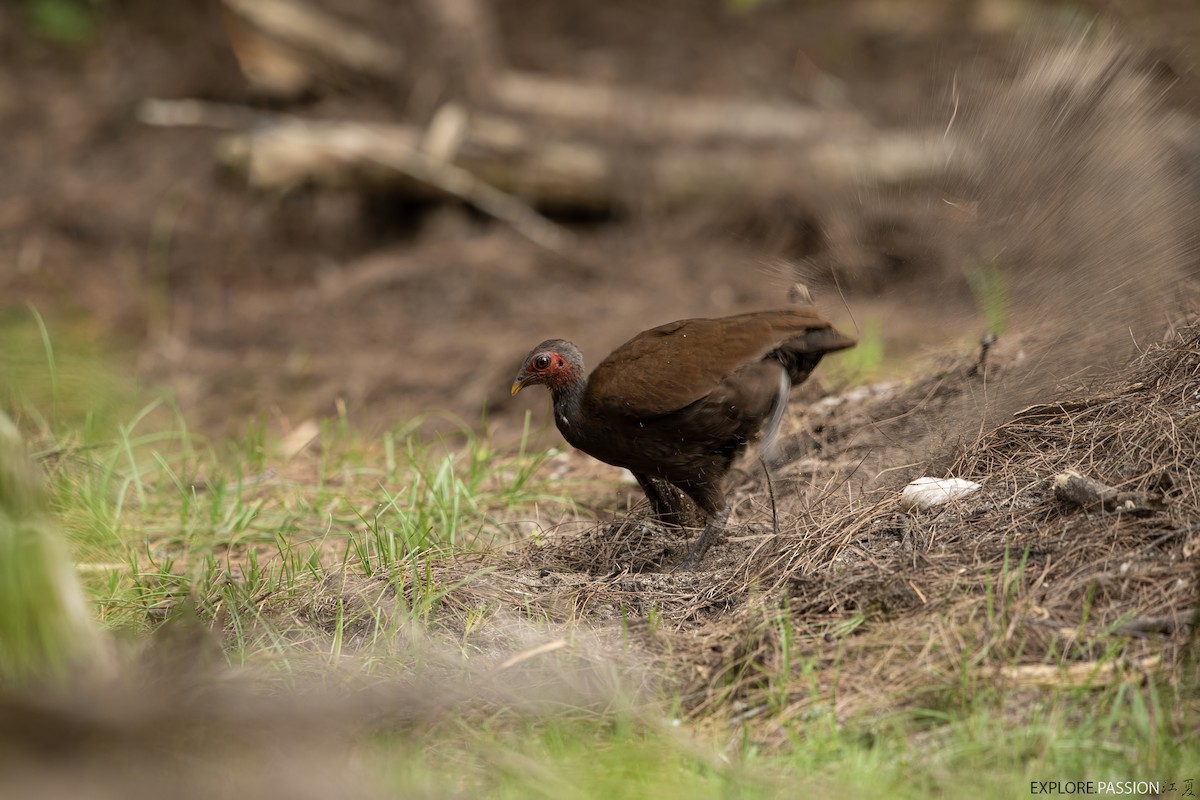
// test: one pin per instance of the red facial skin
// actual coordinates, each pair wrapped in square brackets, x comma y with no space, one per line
[548,368]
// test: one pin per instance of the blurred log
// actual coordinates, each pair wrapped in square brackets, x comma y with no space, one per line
[549,172]
[295,153]
[284,152]
[617,112]
[284,45]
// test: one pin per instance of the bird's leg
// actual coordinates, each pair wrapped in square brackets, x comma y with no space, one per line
[716,524]
[667,508]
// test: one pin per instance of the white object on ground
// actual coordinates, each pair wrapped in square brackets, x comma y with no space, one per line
[926,493]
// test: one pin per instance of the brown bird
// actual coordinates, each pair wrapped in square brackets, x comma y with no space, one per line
[678,403]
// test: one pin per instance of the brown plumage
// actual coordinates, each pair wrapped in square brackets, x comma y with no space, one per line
[678,403]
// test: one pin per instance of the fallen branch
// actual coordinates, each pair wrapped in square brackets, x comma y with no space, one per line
[1088,673]
[501,166]
[570,174]
[617,112]
[284,152]
[1080,490]
[460,183]
[202,114]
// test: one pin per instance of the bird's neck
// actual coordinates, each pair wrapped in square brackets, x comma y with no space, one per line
[568,401]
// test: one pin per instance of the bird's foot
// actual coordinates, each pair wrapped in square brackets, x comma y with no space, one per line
[716,524]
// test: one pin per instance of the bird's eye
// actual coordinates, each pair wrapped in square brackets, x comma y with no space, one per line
[541,362]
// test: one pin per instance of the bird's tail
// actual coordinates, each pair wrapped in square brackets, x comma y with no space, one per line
[801,354]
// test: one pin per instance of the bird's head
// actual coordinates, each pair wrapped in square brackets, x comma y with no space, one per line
[556,363]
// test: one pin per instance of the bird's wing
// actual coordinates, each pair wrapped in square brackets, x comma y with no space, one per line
[672,366]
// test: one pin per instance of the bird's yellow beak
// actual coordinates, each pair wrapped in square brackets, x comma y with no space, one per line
[518,385]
